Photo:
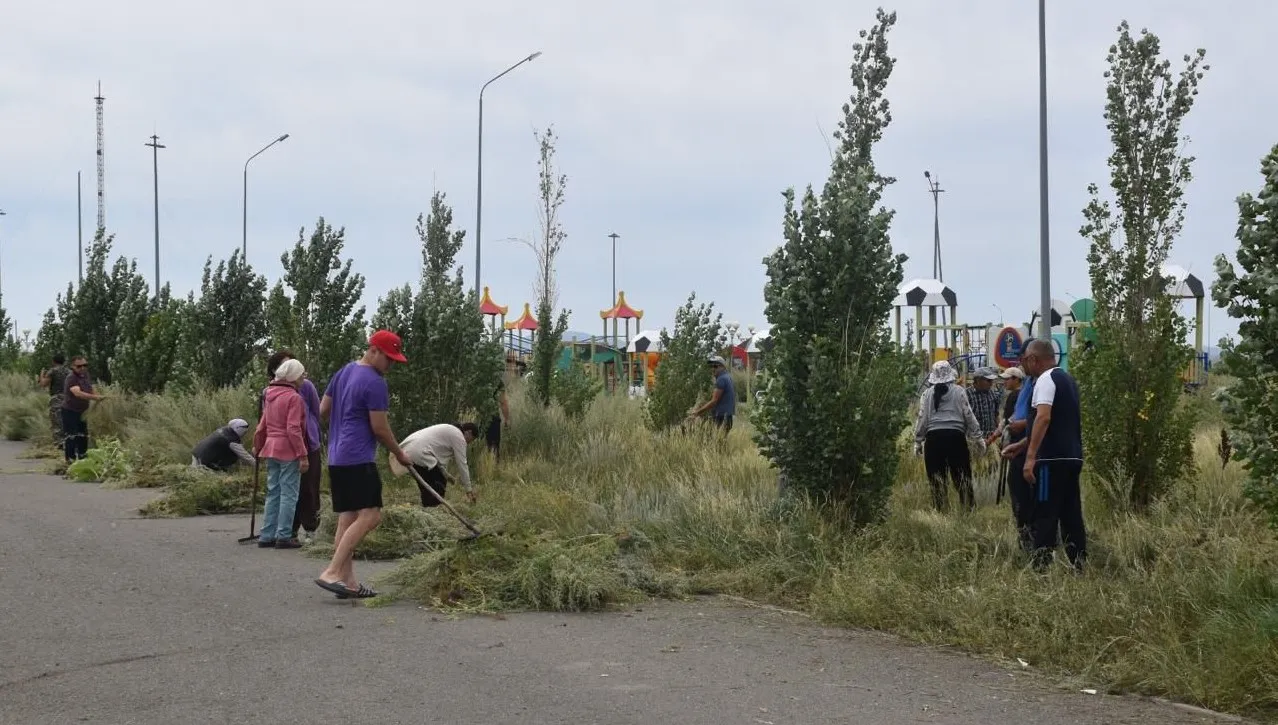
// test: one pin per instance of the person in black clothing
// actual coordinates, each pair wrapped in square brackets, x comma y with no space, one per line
[55,379]
[1014,444]
[1054,460]
[222,449]
[77,395]
[492,436]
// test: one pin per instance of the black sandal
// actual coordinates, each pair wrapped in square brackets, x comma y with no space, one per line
[364,592]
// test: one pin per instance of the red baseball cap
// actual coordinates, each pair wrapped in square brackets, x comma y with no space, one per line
[389,343]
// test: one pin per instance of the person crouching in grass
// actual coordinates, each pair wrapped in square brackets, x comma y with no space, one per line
[281,440]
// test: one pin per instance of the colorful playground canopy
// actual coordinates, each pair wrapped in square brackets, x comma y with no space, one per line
[925,293]
[621,310]
[490,308]
[526,321]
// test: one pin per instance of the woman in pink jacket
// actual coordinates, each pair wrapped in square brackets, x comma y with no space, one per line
[281,440]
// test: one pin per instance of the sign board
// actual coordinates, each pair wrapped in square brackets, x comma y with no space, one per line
[1007,347]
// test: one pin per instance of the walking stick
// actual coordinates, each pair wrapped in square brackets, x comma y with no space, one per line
[1002,480]
[252,508]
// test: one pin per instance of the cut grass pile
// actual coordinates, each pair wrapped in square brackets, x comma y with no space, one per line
[1181,602]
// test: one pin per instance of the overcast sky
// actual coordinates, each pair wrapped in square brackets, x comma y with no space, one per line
[680,125]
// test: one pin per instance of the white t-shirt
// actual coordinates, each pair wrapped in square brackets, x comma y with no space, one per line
[1044,389]
[436,445]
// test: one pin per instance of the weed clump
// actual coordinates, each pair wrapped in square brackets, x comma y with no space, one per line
[406,530]
[200,492]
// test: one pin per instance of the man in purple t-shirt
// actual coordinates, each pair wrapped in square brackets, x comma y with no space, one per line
[354,406]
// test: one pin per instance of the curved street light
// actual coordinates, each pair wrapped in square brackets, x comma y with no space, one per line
[479,176]
[244,249]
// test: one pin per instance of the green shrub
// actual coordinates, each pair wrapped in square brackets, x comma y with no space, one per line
[575,389]
[107,461]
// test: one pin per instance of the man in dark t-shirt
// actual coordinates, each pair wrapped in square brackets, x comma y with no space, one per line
[77,393]
[1054,460]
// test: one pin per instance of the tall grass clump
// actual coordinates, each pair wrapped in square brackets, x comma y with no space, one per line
[24,410]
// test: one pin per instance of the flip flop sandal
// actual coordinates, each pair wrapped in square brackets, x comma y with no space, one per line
[364,592]
[337,588]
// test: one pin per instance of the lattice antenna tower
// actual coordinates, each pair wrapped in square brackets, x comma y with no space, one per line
[98,99]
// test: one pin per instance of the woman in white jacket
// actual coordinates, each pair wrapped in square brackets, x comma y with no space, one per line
[945,424]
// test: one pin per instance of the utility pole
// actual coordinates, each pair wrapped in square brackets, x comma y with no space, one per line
[938,272]
[79,229]
[934,188]
[614,236]
[155,168]
[1044,247]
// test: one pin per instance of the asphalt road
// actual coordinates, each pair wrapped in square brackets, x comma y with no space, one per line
[116,619]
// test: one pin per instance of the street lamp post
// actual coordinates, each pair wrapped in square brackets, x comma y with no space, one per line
[614,236]
[244,249]
[1000,312]
[6,332]
[479,176]
[1044,248]
[155,172]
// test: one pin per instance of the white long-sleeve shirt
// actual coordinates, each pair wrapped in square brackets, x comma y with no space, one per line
[436,445]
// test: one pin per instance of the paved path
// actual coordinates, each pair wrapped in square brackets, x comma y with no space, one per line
[117,619]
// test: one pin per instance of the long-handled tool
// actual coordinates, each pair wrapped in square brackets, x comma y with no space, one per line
[1002,480]
[475,533]
[252,508]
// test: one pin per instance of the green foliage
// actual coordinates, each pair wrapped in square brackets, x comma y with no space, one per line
[454,364]
[682,378]
[322,321]
[227,321]
[151,346]
[550,330]
[1251,401]
[108,306]
[840,388]
[10,350]
[24,408]
[1136,433]
[49,341]
[575,389]
[107,461]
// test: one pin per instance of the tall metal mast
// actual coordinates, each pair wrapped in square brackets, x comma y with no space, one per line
[98,99]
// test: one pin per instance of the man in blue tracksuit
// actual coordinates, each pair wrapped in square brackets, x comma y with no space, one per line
[1020,493]
[1054,459]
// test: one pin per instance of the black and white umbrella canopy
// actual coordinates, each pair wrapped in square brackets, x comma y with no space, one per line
[925,293]
[1061,314]
[760,342]
[1181,284]
[645,341]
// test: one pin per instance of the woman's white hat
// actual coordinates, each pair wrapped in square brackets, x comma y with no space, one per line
[942,372]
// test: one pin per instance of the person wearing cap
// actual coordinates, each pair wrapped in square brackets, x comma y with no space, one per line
[280,440]
[944,425]
[722,405]
[222,449]
[1020,393]
[984,400]
[432,448]
[355,406]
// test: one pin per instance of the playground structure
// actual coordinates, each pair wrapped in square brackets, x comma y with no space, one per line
[971,346]
[495,313]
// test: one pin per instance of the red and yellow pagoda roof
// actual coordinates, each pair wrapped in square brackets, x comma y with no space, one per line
[526,321]
[488,307]
[621,310]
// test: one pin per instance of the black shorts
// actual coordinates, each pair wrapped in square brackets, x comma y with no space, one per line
[724,422]
[355,487]
[435,478]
